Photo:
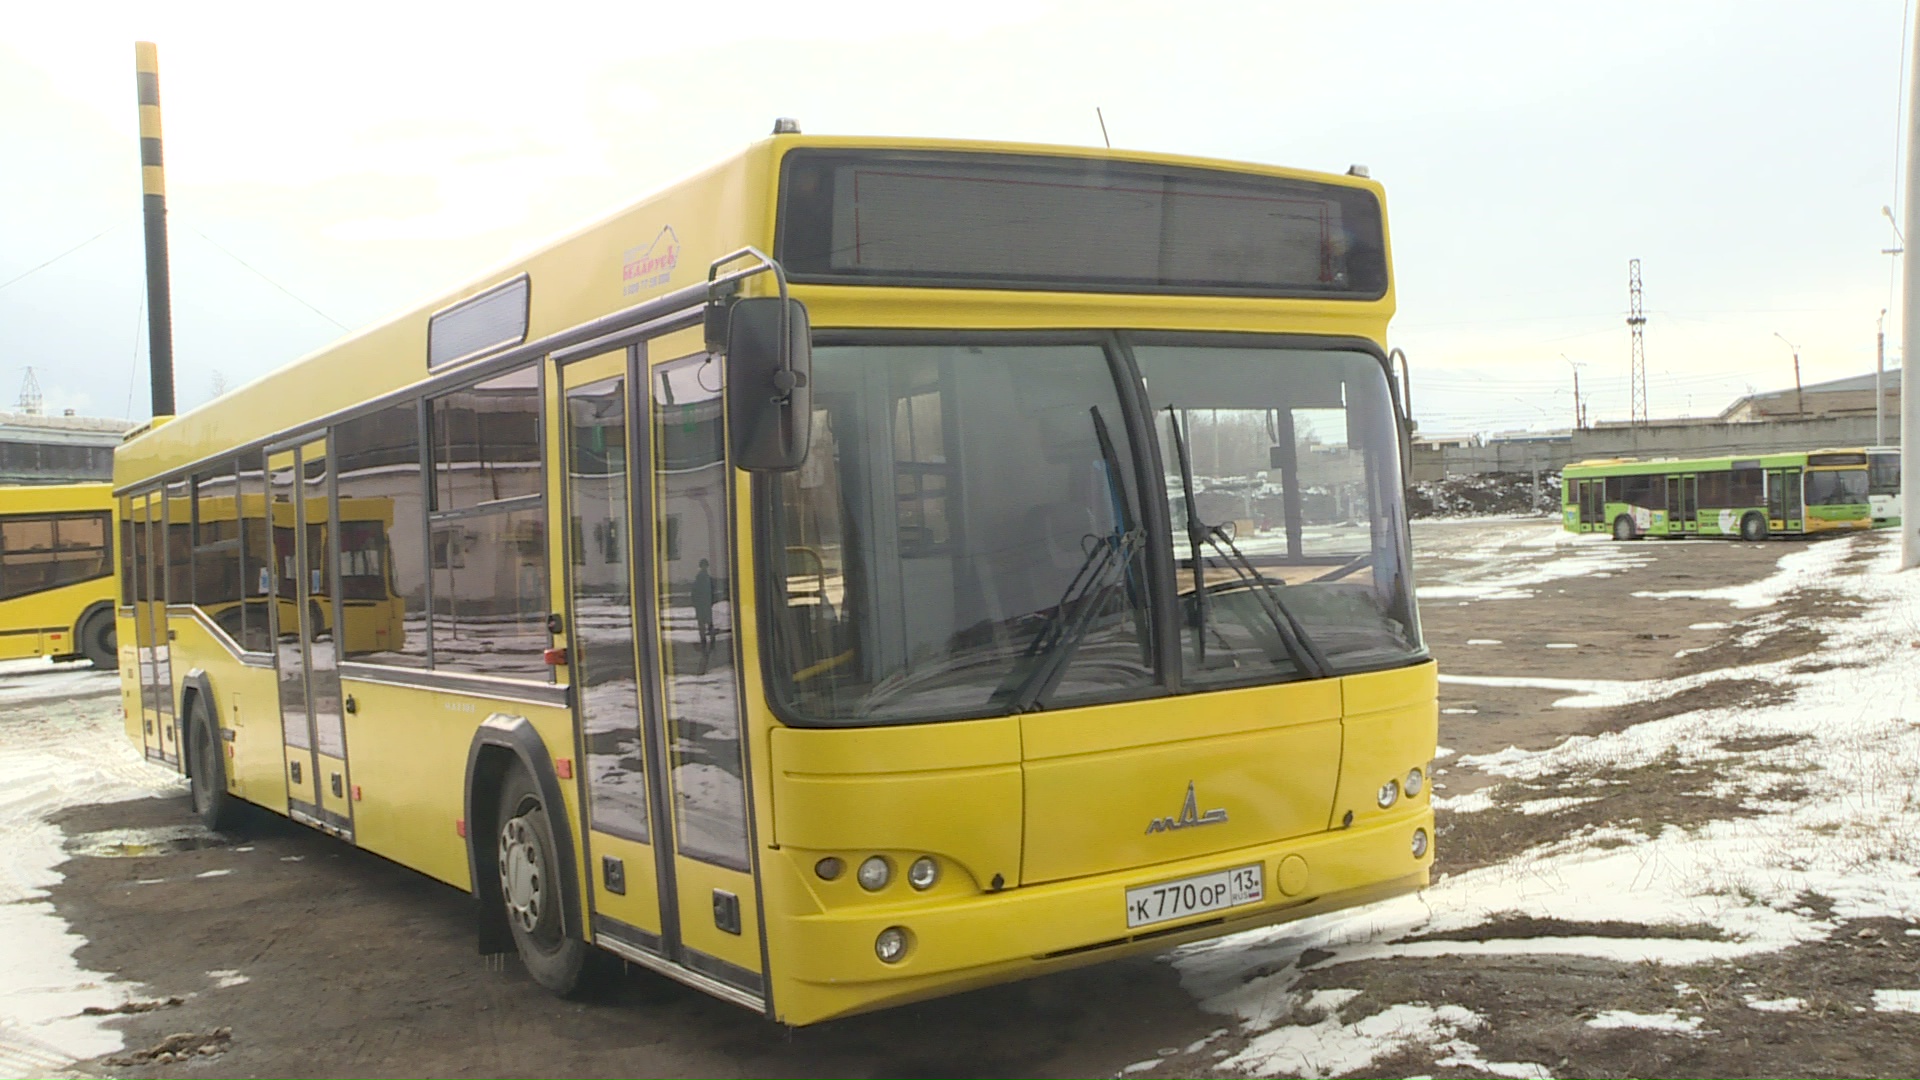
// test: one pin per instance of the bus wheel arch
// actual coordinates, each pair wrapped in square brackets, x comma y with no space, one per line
[1753,526]
[1623,527]
[96,636]
[507,754]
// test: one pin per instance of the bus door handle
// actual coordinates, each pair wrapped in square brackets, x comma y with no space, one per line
[352,706]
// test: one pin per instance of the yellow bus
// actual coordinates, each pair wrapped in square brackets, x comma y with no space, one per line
[56,573]
[1007,572]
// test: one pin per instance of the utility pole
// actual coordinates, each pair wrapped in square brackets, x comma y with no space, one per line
[1579,413]
[1638,322]
[1910,334]
[1879,381]
[1799,399]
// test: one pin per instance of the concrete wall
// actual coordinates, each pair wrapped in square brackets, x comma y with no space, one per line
[1655,440]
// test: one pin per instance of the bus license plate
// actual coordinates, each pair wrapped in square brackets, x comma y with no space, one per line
[1151,904]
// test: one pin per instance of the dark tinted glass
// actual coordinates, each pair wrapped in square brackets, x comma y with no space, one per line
[179,547]
[256,555]
[383,549]
[1837,487]
[963,537]
[486,441]
[1003,221]
[40,552]
[217,584]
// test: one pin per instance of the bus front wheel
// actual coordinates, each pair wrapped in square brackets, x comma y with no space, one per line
[1753,527]
[1623,528]
[532,890]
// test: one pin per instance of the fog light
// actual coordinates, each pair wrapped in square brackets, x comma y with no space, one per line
[1389,794]
[875,873]
[891,945]
[1419,843]
[829,868]
[1415,781]
[923,873]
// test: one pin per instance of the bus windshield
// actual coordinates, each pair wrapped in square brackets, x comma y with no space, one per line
[1837,487]
[966,536]
[1295,478]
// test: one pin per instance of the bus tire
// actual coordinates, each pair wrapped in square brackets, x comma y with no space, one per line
[1753,527]
[1623,528]
[98,640]
[207,772]
[532,890]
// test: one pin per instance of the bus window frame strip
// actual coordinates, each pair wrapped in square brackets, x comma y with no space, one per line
[493,688]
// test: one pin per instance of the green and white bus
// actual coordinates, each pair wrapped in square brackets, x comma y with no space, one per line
[1883,485]
[1795,494]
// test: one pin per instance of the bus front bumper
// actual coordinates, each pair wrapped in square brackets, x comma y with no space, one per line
[825,964]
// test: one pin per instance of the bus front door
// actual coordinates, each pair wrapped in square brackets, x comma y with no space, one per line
[651,653]
[305,657]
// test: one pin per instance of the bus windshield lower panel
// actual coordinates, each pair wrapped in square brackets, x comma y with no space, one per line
[966,537]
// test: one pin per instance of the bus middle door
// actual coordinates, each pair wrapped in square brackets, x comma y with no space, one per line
[305,656]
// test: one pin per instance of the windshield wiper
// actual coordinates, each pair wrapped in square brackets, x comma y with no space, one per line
[1105,568]
[1293,637]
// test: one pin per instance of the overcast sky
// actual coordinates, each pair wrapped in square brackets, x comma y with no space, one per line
[329,165]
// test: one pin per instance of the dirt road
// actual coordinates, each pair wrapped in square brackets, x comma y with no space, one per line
[319,958]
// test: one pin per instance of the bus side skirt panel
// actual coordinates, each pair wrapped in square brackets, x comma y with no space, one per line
[500,733]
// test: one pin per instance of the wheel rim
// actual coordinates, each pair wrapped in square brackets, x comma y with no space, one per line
[522,874]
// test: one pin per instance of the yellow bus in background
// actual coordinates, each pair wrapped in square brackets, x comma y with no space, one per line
[1006,571]
[56,573]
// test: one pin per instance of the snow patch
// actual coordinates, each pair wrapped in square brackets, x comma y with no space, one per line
[1776,1005]
[1907,1001]
[1661,1021]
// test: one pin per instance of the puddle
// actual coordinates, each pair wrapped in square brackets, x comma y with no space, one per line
[143,843]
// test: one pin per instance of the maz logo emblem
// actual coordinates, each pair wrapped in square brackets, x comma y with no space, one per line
[1190,816]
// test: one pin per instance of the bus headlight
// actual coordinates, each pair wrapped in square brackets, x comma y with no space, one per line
[1415,781]
[829,868]
[891,945]
[1389,794]
[923,873]
[875,873]
[1419,843]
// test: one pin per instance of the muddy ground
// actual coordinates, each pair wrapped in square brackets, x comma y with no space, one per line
[320,959]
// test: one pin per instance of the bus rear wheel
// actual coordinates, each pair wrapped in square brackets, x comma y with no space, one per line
[533,891]
[99,641]
[1623,528]
[1753,527]
[207,773]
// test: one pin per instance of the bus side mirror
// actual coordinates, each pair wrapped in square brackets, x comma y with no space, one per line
[769,391]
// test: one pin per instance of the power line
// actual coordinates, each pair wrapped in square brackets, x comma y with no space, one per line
[265,278]
[57,258]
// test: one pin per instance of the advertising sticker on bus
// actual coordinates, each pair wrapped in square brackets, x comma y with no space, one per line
[650,266]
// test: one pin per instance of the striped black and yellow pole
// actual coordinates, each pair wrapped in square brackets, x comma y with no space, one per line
[153,181]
